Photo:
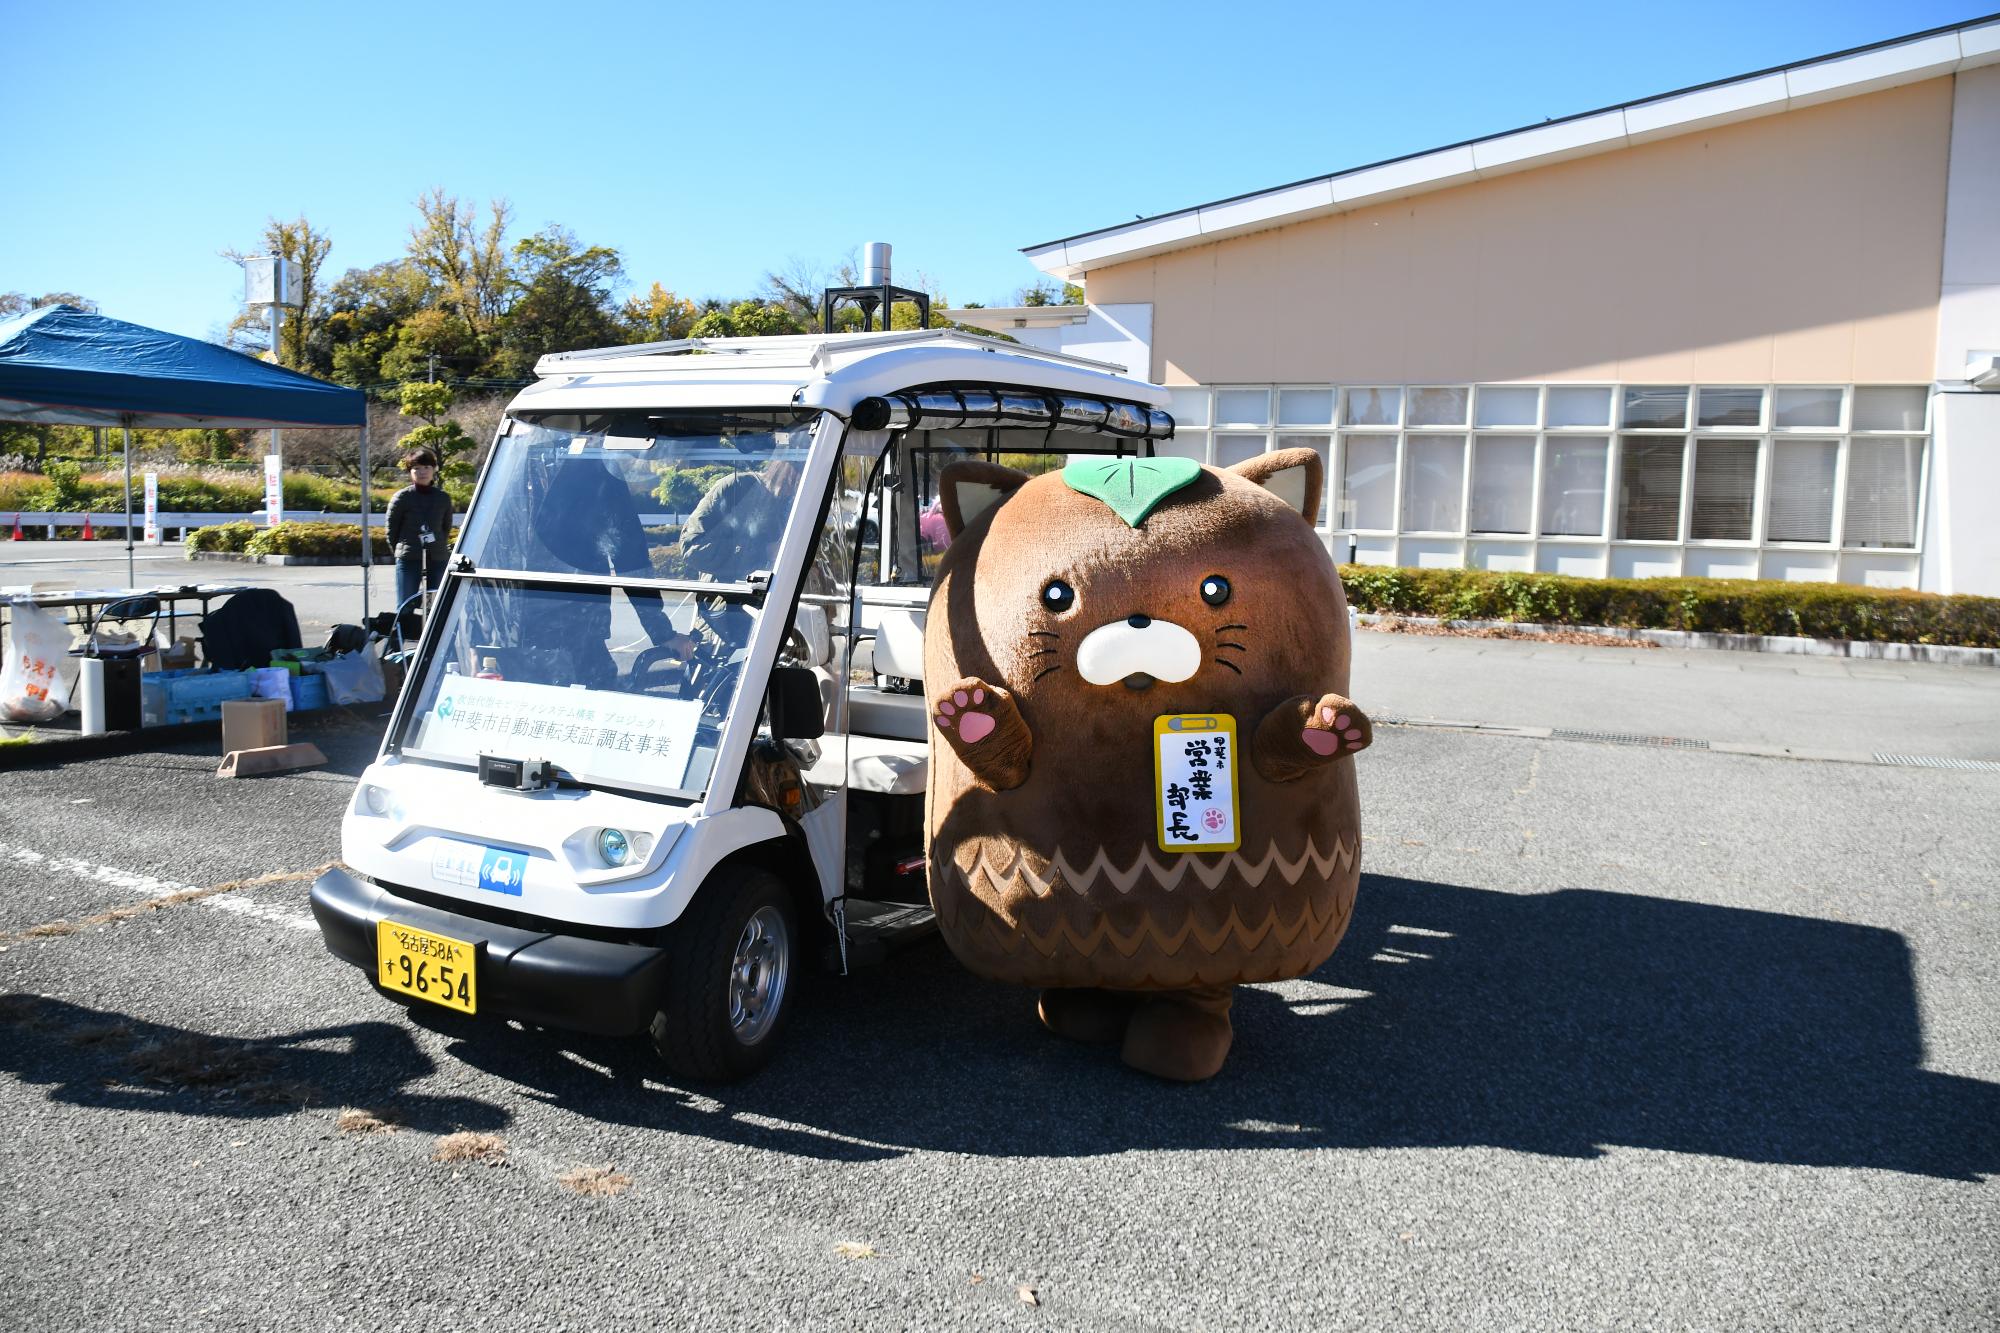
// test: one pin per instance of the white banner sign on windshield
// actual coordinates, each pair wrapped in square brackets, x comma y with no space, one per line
[274,489]
[596,734]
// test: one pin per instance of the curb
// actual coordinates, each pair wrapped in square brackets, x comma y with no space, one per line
[1862,649]
[240,558]
[68,748]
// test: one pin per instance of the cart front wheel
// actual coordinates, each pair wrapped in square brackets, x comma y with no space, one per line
[730,987]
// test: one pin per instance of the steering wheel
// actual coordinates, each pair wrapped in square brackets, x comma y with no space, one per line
[650,661]
[716,685]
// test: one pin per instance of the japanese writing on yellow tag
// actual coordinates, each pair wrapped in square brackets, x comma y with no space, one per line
[1194,771]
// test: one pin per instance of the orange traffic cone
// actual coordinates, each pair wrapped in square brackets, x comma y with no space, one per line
[17,528]
[87,534]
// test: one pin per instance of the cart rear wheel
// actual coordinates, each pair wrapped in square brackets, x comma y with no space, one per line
[729,990]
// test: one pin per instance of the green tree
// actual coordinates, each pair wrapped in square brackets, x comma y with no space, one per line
[20,303]
[467,264]
[1047,293]
[439,433]
[748,319]
[368,309]
[562,297]
[657,315]
[302,345]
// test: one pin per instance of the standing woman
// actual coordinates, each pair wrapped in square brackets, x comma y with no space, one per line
[419,528]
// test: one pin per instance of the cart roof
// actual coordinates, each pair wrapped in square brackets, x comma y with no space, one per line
[830,371]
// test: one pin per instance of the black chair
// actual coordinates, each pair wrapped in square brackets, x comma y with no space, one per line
[124,612]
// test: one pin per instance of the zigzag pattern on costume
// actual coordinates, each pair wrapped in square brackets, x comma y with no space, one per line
[973,863]
[985,927]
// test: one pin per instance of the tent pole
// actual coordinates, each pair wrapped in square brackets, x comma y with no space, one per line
[130,580]
[367,545]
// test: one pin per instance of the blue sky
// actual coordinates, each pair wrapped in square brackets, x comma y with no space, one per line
[711,143]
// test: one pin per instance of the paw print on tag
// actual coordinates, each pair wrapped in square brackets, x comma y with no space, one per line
[1213,819]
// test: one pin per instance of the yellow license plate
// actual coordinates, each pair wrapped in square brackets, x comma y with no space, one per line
[431,967]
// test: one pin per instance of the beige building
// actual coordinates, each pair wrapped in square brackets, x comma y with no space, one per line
[1746,330]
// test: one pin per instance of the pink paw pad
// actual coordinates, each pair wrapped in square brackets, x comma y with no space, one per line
[1320,742]
[975,726]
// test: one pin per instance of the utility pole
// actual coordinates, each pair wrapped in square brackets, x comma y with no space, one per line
[273,282]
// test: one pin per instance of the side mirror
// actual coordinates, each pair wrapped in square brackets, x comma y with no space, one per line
[797,714]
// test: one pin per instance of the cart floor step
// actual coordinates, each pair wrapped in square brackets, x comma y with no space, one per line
[873,928]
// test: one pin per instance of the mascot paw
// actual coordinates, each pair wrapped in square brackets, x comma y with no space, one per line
[1336,726]
[986,730]
[1085,1013]
[967,713]
[1303,734]
[1183,1035]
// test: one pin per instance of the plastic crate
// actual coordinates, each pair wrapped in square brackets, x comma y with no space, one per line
[309,692]
[170,697]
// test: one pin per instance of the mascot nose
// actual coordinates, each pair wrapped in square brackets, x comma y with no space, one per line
[1138,646]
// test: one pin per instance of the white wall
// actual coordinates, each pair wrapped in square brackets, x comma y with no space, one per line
[1120,334]
[1962,540]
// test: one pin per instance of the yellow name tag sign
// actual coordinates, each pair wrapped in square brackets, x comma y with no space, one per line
[1194,777]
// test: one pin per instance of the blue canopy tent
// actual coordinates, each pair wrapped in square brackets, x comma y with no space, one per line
[63,366]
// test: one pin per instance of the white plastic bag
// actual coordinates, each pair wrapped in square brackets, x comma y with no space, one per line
[35,682]
[353,679]
[273,683]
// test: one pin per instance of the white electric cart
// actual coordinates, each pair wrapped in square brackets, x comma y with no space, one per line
[664,739]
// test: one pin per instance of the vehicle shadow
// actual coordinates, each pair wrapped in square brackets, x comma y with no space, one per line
[112,1061]
[1565,1024]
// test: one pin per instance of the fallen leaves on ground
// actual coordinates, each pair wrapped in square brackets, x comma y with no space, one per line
[194,1061]
[1574,638]
[354,1120]
[854,1249]
[1027,1295]
[468,1146]
[596,1181]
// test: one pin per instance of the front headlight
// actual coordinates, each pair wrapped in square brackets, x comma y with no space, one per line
[613,847]
[375,799]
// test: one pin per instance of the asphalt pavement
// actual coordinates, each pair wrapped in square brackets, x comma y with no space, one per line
[1622,1035]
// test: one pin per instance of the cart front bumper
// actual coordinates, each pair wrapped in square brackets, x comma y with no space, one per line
[550,980]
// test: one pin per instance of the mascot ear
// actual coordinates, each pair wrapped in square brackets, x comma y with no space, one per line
[970,489]
[1296,476]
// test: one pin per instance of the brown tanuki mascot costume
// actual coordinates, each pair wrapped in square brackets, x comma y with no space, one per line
[1078,621]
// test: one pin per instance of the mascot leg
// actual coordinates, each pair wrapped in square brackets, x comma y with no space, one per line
[1180,1035]
[1085,1013]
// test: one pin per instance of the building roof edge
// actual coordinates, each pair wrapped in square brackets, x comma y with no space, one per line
[1053,258]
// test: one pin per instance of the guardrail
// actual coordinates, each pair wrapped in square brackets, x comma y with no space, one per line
[377,521]
[28,521]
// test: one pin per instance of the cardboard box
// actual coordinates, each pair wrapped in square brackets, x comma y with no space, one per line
[253,724]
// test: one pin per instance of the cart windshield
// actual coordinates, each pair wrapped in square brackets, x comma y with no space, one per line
[700,496]
[628,687]
[604,623]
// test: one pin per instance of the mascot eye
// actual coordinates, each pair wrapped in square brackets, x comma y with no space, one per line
[1058,596]
[1215,590]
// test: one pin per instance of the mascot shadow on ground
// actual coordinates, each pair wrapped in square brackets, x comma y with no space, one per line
[1142,755]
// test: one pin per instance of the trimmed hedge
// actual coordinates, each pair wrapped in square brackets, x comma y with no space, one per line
[218,537]
[330,541]
[1714,606]
[182,494]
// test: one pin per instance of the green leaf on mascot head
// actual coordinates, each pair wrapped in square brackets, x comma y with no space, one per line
[1133,487]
